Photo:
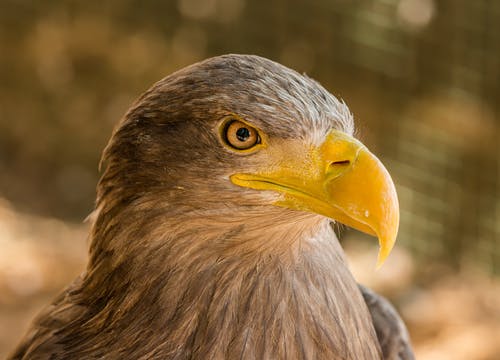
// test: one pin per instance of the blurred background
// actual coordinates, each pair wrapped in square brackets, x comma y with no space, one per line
[422,78]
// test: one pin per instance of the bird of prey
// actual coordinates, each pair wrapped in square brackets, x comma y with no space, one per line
[211,236]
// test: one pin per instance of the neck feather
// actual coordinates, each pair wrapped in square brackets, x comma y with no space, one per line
[264,288]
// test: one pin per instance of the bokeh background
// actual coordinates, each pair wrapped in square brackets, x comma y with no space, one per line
[422,78]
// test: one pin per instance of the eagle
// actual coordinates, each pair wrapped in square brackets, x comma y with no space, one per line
[212,234]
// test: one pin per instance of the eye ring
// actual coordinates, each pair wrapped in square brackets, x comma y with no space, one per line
[239,135]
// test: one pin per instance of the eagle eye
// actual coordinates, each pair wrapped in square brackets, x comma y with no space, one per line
[240,136]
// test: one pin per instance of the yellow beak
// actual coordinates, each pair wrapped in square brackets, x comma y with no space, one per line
[341,180]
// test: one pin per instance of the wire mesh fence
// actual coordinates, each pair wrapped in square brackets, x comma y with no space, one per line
[421,76]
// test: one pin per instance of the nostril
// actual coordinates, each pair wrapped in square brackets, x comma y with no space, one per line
[336,168]
[340,163]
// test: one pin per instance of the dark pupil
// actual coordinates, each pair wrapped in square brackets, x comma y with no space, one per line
[242,134]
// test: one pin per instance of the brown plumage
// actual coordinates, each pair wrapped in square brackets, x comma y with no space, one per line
[184,264]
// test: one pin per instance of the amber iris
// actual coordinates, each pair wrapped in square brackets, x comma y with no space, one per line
[240,135]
